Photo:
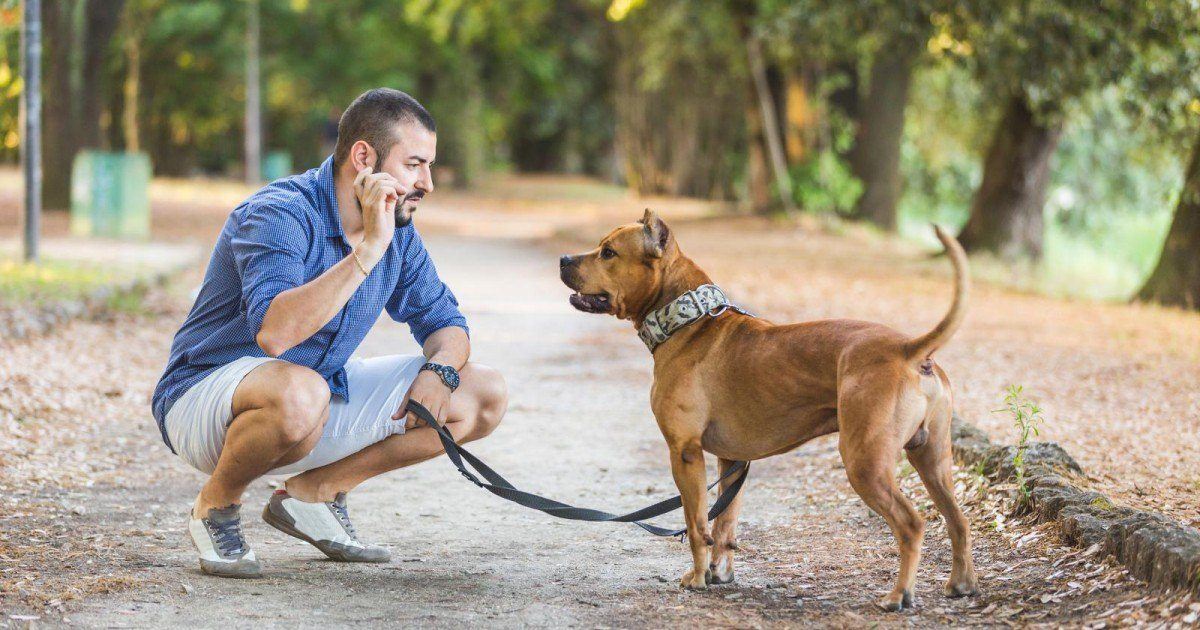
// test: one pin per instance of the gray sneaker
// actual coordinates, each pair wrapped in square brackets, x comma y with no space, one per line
[325,526]
[223,549]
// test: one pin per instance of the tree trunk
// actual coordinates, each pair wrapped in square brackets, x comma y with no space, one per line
[58,141]
[1176,279]
[875,158]
[758,174]
[770,122]
[103,16]
[1006,213]
[131,90]
[253,139]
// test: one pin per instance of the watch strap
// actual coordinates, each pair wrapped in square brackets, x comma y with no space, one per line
[441,371]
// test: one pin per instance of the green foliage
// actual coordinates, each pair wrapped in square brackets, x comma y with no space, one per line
[947,125]
[679,94]
[838,30]
[53,281]
[10,80]
[1114,182]
[659,89]
[824,185]
[1027,416]
[1054,51]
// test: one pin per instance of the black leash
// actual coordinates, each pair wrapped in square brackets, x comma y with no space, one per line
[500,487]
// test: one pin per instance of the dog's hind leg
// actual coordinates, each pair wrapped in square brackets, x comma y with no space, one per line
[725,532]
[870,444]
[934,462]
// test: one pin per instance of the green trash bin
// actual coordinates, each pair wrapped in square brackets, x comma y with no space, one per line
[110,195]
[276,165]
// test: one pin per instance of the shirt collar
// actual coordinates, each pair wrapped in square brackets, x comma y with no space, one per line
[328,197]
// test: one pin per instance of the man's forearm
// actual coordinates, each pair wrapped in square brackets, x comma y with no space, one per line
[448,346]
[297,314]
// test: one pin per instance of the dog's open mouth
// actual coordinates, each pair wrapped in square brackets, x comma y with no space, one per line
[590,303]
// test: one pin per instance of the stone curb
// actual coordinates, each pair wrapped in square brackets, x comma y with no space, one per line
[1164,553]
[21,324]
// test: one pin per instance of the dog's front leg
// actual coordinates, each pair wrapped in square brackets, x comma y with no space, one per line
[687,466]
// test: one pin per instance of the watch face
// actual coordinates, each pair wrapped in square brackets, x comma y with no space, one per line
[451,378]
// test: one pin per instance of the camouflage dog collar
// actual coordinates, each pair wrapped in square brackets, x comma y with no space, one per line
[706,300]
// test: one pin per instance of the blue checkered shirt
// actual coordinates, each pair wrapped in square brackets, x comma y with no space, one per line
[283,236]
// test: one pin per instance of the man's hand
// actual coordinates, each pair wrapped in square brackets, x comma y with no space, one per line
[429,390]
[378,194]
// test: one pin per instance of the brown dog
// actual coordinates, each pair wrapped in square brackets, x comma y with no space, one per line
[742,388]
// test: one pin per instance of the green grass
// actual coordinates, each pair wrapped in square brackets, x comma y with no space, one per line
[53,281]
[1107,262]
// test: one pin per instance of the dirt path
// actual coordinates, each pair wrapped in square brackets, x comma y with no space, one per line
[578,429]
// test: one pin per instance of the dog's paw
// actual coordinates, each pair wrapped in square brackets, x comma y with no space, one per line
[961,587]
[721,571]
[693,581]
[897,601]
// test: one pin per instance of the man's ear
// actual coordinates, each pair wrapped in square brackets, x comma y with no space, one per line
[362,155]
[657,233]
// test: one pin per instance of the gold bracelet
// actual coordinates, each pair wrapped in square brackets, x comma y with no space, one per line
[357,261]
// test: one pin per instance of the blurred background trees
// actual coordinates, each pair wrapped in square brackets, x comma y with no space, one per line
[1051,130]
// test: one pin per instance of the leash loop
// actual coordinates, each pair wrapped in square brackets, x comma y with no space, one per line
[499,486]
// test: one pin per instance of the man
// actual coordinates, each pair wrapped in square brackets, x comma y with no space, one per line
[260,379]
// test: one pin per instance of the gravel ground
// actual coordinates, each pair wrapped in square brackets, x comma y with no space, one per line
[94,530]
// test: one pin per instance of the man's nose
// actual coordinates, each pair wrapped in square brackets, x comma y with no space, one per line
[426,181]
[565,262]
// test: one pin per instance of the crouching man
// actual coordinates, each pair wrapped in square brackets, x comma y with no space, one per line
[260,378]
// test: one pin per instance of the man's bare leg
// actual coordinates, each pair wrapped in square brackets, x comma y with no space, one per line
[475,410]
[279,411]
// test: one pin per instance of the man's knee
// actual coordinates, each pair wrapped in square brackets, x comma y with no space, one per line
[299,403]
[492,392]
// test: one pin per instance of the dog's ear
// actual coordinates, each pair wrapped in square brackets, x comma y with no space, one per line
[657,233]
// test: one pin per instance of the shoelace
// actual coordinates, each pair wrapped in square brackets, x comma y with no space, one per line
[343,516]
[228,536]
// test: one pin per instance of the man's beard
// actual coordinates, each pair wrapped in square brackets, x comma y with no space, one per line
[402,219]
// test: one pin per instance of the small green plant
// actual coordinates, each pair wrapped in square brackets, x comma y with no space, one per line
[1027,416]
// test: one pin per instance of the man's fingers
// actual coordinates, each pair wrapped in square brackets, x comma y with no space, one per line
[377,190]
[389,182]
[382,177]
[361,178]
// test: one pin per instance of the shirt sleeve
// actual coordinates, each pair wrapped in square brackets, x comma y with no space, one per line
[421,299]
[268,247]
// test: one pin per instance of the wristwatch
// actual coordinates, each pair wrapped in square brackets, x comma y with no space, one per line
[448,374]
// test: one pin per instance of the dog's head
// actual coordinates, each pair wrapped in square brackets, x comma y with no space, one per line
[624,273]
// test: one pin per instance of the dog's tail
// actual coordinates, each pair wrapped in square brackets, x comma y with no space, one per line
[920,348]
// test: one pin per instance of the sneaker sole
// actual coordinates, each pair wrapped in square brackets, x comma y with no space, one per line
[239,570]
[230,569]
[332,553]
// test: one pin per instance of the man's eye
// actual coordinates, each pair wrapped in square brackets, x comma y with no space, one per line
[607,253]
[412,166]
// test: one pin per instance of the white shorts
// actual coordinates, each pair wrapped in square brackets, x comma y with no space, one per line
[198,421]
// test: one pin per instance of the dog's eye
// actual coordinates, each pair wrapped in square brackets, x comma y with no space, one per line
[607,253]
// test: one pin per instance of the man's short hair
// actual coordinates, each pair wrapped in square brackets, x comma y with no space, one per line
[373,116]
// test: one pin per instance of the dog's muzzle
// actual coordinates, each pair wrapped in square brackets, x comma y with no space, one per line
[568,271]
